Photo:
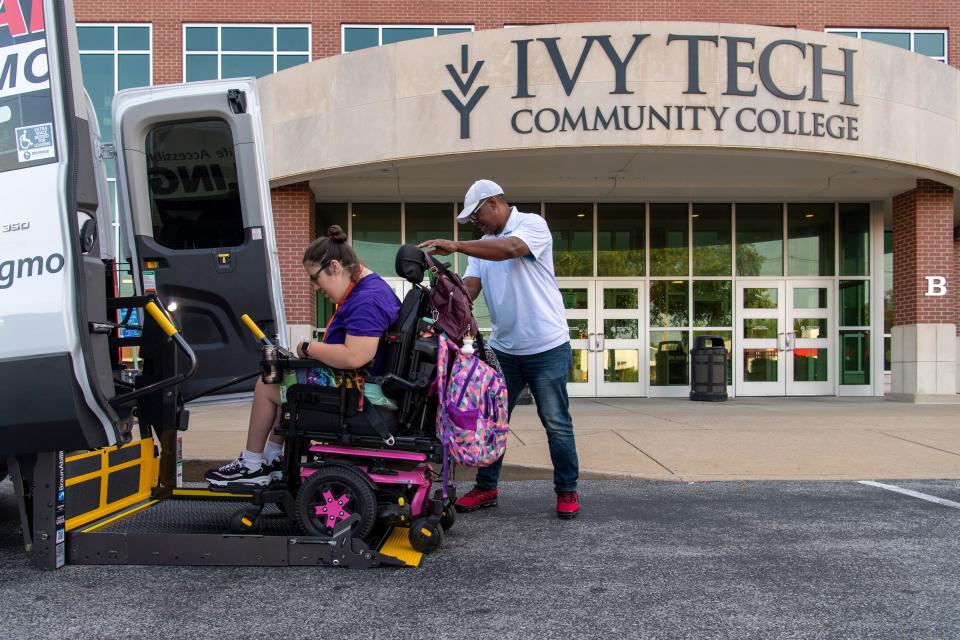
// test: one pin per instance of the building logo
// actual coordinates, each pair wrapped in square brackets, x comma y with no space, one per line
[464,80]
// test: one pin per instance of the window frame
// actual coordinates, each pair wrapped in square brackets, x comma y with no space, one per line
[219,52]
[912,32]
[380,27]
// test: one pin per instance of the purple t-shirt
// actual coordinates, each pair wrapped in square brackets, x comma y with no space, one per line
[368,311]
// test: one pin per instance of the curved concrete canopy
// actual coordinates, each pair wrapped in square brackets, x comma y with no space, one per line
[617,110]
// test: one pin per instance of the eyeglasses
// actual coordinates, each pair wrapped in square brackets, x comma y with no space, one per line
[475,215]
[313,276]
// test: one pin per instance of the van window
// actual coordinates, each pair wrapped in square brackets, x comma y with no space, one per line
[194,197]
[26,108]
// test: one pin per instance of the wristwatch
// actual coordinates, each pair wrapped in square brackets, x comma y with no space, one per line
[303,348]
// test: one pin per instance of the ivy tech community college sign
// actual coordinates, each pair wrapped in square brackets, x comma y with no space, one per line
[678,86]
[747,70]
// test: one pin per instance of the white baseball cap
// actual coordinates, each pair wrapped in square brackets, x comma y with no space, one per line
[476,194]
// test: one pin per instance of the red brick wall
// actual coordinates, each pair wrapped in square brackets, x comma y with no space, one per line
[293,215]
[168,17]
[923,246]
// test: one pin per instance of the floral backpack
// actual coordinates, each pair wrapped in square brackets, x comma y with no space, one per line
[472,413]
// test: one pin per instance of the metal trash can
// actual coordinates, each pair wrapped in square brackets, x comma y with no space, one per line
[708,369]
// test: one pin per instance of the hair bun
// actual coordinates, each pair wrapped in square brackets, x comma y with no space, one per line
[336,233]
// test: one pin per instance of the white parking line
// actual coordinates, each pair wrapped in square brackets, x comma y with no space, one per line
[914,494]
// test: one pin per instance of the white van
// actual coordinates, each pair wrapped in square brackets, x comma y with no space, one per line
[197,238]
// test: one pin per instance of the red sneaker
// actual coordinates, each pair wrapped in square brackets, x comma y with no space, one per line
[476,498]
[568,504]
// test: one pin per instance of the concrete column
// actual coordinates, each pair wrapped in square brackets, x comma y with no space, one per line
[925,312]
[294,219]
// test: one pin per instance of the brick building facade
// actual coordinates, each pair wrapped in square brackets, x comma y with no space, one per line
[922,217]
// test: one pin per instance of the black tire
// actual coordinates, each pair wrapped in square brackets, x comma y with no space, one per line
[448,517]
[424,536]
[339,482]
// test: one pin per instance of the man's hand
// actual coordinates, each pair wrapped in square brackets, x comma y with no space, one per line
[440,247]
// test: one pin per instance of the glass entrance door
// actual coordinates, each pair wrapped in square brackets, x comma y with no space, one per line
[605,320]
[618,342]
[783,338]
[809,358]
[760,338]
[578,297]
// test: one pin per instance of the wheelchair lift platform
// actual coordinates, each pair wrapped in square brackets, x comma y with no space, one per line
[115,514]
[190,529]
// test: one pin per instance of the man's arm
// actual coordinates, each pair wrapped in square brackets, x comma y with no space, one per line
[493,249]
[473,287]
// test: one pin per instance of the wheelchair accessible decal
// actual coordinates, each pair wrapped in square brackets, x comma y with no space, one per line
[35,142]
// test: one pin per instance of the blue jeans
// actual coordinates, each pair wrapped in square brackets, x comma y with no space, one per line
[546,375]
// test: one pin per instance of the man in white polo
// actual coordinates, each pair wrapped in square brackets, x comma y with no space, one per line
[513,265]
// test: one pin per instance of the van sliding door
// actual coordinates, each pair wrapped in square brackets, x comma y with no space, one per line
[192,177]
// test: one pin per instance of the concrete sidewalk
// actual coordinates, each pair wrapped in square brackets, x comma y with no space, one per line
[675,439]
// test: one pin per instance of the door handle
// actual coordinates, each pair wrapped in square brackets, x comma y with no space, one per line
[781,342]
[791,340]
[590,338]
[601,342]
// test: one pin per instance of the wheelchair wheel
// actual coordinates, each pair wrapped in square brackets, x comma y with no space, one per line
[424,536]
[448,517]
[333,494]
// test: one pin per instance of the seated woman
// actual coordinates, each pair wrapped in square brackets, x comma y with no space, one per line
[366,307]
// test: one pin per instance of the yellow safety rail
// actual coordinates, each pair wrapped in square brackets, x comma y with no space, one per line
[247,320]
[160,318]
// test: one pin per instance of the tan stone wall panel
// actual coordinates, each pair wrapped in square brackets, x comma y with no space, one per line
[386,104]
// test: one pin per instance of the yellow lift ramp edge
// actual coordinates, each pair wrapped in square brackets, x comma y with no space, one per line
[397,544]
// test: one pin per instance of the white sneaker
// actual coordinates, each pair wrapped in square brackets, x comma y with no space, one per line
[236,472]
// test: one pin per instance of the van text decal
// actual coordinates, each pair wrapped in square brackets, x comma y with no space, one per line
[18,268]
[13,18]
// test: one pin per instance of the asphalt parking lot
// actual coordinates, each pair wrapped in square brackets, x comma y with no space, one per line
[645,560]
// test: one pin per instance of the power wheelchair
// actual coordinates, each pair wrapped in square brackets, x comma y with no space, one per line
[350,463]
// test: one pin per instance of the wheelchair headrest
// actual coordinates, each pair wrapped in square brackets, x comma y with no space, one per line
[411,263]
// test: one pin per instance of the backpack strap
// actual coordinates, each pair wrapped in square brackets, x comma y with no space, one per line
[436,268]
[443,358]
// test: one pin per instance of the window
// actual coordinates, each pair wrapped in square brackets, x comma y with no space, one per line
[572,227]
[114,57]
[26,114]
[929,42]
[193,207]
[212,52]
[363,36]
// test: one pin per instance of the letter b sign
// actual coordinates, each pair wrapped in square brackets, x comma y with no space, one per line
[936,286]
